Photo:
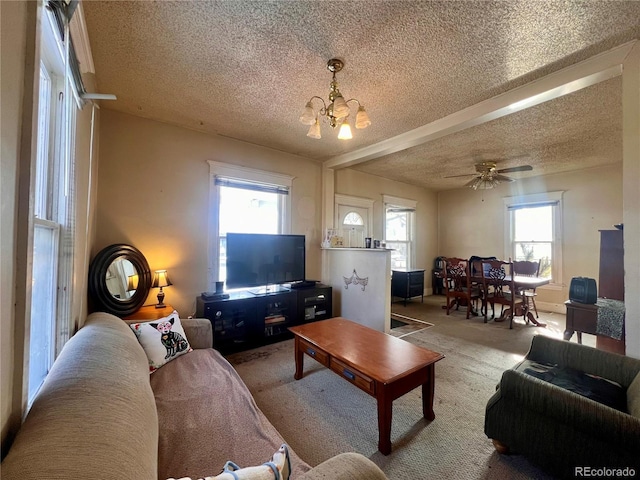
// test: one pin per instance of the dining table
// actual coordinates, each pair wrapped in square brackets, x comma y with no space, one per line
[522,283]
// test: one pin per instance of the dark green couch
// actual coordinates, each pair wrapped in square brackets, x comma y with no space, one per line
[560,430]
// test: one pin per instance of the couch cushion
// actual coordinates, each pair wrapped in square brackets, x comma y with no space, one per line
[633,397]
[95,415]
[208,416]
[163,340]
[596,388]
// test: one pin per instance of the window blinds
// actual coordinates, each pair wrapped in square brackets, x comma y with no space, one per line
[63,11]
[247,185]
[548,203]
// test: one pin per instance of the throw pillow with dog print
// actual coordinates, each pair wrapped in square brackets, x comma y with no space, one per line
[162,340]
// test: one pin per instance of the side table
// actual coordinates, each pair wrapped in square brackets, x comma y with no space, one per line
[407,283]
[150,312]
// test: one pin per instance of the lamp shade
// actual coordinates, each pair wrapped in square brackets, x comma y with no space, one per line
[314,130]
[345,131]
[340,107]
[308,117]
[132,283]
[362,119]
[161,279]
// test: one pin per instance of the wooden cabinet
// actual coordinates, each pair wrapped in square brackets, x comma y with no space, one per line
[277,313]
[233,321]
[611,276]
[581,318]
[407,284]
[245,320]
[314,304]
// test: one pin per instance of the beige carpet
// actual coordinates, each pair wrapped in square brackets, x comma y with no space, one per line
[322,415]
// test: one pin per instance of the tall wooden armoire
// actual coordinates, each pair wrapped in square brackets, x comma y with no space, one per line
[611,277]
[611,280]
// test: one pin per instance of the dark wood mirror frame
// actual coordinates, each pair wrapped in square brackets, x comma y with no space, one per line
[98,291]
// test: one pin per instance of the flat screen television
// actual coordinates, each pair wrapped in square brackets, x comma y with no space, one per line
[260,260]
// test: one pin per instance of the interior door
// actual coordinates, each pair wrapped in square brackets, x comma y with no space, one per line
[353,221]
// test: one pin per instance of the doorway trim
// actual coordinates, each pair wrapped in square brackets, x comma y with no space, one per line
[351,201]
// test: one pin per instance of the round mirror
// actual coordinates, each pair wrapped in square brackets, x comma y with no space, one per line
[119,279]
[122,279]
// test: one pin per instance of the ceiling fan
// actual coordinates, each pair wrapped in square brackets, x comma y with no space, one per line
[488,176]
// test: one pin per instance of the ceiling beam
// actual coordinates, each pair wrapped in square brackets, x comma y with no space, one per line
[570,79]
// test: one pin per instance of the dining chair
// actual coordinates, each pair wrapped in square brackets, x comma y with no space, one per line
[528,268]
[457,283]
[499,287]
[475,266]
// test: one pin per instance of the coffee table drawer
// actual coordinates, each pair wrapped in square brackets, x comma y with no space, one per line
[314,352]
[352,375]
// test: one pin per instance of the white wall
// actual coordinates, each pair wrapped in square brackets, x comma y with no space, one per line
[13,16]
[359,184]
[631,189]
[367,302]
[154,194]
[472,222]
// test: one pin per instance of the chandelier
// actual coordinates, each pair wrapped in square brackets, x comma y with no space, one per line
[336,112]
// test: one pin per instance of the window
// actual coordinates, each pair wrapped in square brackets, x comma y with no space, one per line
[399,231]
[244,200]
[353,218]
[534,225]
[52,255]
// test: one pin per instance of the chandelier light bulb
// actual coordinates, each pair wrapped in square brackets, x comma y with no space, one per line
[345,131]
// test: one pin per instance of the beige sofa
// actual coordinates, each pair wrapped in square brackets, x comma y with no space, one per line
[100,415]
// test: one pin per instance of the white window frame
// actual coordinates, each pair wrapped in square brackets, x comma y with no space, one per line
[534,200]
[226,170]
[390,201]
[53,205]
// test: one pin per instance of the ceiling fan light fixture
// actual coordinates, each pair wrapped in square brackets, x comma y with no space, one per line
[483,182]
[335,111]
[488,176]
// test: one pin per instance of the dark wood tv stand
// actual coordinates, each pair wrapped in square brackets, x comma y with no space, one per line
[247,320]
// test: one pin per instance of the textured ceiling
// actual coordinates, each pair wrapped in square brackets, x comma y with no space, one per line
[245,69]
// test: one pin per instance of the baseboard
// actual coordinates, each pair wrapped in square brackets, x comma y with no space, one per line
[551,307]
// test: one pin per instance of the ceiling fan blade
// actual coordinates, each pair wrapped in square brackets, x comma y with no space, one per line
[463,175]
[503,178]
[521,168]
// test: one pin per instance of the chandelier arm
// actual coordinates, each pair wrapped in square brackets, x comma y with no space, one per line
[323,110]
[354,100]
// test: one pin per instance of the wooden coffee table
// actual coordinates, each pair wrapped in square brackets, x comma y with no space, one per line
[383,366]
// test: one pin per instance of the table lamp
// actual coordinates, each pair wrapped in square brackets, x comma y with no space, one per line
[160,279]
[132,283]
